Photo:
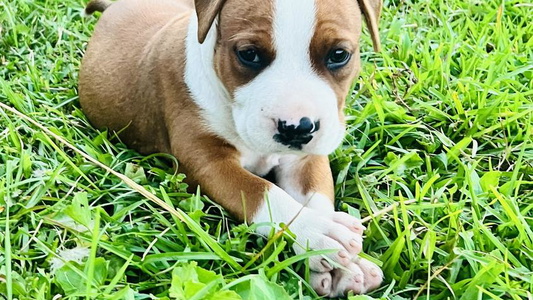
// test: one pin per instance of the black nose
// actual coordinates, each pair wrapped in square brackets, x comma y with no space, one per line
[306,126]
[296,136]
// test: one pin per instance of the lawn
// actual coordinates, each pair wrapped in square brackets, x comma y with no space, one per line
[438,159]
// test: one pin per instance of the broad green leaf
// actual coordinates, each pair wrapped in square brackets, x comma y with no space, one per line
[259,288]
[135,173]
[489,179]
[100,271]
[192,204]
[79,210]
[225,295]
[70,278]
[123,294]
[192,282]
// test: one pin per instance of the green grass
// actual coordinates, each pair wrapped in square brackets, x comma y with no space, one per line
[441,124]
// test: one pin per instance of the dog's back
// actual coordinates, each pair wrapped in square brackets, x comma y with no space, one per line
[109,75]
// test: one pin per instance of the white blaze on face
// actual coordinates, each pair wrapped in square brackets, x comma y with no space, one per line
[289,89]
[294,27]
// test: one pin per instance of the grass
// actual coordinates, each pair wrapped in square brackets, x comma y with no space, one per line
[439,129]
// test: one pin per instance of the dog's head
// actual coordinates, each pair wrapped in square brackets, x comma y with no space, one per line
[288,66]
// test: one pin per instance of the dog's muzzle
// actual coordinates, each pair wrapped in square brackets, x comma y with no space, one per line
[296,136]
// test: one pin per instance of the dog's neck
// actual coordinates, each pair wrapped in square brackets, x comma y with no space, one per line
[205,87]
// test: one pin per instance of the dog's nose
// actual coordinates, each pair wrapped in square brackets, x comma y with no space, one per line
[306,126]
[295,136]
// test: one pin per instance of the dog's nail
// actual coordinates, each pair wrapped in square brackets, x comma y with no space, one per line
[325,283]
[354,243]
[343,254]
[359,226]
[326,265]
[374,272]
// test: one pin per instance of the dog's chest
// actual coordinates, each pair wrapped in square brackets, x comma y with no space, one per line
[259,164]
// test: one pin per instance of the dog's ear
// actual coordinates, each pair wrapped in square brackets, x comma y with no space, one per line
[206,11]
[371,10]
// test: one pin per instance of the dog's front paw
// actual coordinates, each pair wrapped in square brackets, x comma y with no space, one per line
[334,230]
[360,276]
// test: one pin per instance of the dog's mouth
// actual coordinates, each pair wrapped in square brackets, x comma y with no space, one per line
[294,143]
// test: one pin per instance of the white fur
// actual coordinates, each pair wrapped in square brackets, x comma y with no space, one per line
[314,229]
[289,89]
[258,164]
[290,165]
[279,207]
[319,202]
[320,229]
[212,97]
[204,85]
[360,277]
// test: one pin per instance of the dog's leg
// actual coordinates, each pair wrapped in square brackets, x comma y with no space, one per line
[307,179]
[216,167]
[310,182]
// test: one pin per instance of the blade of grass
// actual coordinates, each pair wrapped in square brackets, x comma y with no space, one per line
[204,236]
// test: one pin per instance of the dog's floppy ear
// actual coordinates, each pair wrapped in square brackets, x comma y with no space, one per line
[371,10]
[206,11]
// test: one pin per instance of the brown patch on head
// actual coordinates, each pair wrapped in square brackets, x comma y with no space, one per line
[338,26]
[243,24]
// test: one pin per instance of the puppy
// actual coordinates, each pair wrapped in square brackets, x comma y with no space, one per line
[236,90]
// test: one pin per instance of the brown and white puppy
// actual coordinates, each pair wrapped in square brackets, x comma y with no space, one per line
[238,90]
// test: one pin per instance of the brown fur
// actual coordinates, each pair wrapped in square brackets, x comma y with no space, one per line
[207,11]
[335,28]
[371,10]
[163,118]
[131,81]
[311,174]
[237,33]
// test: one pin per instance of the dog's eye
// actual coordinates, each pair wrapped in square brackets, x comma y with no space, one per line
[337,58]
[250,57]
